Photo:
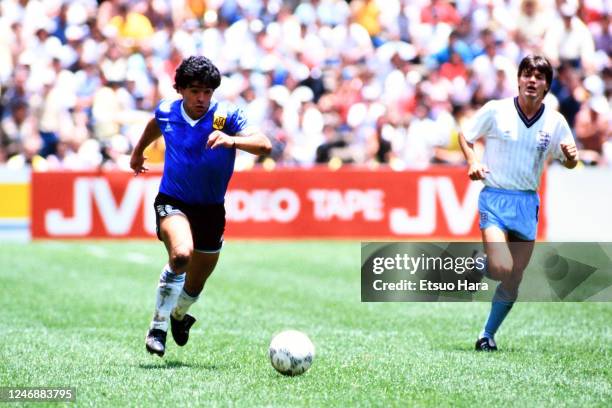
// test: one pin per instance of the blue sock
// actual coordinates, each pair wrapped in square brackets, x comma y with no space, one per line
[500,307]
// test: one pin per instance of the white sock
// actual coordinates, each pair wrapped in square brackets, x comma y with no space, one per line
[183,304]
[168,290]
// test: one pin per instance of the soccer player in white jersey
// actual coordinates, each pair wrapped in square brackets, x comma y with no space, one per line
[202,136]
[520,134]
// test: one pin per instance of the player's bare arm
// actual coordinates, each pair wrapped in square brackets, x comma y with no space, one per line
[570,151]
[250,140]
[149,135]
[476,170]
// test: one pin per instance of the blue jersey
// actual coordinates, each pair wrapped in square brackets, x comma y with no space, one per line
[194,173]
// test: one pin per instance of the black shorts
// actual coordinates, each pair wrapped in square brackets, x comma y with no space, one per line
[207,222]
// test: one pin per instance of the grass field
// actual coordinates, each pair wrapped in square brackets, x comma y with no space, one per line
[75,314]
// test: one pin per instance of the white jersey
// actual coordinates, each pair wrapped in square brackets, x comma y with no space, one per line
[516,147]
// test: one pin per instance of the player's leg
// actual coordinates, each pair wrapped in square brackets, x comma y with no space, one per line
[522,235]
[499,258]
[521,255]
[506,294]
[505,216]
[200,268]
[175,232]
[493,209]
[207,226]
[499,265]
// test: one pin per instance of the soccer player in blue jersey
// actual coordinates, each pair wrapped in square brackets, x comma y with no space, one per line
[521,133]
[201,136]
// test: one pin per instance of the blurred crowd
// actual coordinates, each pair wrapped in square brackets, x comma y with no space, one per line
[369,82]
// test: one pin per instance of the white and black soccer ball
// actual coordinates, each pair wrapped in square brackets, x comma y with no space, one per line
[291,352]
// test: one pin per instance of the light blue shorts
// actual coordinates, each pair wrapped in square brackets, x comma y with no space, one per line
[513,211]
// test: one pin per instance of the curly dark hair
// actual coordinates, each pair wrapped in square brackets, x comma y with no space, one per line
[197,69]
[538,63]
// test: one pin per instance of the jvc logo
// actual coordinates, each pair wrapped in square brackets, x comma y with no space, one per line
[459,216]
[117,218]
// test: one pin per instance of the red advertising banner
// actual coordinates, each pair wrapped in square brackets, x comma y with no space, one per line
[439,204]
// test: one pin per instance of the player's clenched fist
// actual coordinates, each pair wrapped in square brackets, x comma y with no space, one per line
[570,151]
[477,171]
[218,138]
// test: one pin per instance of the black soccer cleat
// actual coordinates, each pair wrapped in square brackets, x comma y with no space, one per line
[156,342]
[486,344]
[180,329]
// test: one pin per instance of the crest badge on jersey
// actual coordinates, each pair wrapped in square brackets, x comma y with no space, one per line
[219,122]
[543,140]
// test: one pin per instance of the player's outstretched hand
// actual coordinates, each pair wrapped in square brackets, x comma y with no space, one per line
[137,164]
[219,139]
[478,171]
[570,151]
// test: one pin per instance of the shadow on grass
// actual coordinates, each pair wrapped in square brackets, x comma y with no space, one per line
[174,364]
[468,348]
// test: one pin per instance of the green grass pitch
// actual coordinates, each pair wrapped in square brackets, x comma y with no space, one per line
[76,313]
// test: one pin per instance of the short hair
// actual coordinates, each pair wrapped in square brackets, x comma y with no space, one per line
[197,69]
[538,63]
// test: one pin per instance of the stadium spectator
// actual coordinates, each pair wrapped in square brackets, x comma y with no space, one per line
[107,107]
[569,39]
[18,127]
[493,15]
[130,23]
[16,87]
[455,45]
[568,90]
[331,147]
[64,158]
[531,24]
[368,58]
[454,67]
[28,157]
[602,34]
[379,149]
[366,13]
[56,120]
[422,136]
[593,129]
[486,68]
[440,11]
[273,126]
[449,151]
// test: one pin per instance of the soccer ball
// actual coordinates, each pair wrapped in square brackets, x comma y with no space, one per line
[291,352]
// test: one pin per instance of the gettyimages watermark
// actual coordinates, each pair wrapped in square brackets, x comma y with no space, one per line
[461,271]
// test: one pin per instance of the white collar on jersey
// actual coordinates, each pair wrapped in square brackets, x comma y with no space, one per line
[192,122]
